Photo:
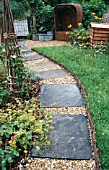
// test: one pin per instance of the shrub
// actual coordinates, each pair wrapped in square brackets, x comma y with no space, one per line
[29,36]
[44,18]
[79,36]
[96,7]
[16,5]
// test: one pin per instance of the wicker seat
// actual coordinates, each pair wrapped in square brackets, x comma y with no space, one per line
[64,15]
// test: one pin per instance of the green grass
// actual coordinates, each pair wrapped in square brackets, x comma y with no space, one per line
[93,71]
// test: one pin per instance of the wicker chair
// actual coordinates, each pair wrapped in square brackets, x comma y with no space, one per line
[64,15]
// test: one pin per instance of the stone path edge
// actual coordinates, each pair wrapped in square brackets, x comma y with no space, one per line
[91,125]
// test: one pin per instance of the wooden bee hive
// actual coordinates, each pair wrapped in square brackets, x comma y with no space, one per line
[99,33]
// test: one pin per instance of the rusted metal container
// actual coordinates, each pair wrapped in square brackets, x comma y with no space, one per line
[64,15]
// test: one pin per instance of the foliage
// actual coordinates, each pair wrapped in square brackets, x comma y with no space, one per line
[23,125]
[100,48]
[2,52]
[106,2]
[4,93]
[55,2]
[98,8]
[21,81]
[92,69]
[17,6]
[1,9]
[79,36]
[44,17]
[29,36]
[21,75]
[26,5]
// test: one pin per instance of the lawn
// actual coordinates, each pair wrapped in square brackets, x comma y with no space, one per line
[92,68]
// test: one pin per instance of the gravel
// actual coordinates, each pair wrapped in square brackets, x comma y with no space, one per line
[63,80]
[67,110]
[57,164]
[30,43]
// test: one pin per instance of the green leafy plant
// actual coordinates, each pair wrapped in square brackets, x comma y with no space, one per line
[2,54]
[21,78]
[79,36]
[23,125]
[44,17]
[4,93]
[93,6]
[29,36]
[100,48]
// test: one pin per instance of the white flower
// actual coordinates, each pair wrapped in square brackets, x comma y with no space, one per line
[5,35]
[13,56]
[3,50]
[17,45]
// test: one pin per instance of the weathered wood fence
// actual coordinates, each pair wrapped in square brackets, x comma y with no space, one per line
[21,27]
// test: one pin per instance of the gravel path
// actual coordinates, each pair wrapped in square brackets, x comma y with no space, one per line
[30,43]
[57,164]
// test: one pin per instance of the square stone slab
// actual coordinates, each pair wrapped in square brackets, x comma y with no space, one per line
[50,74]
[60,95]
[27,51]
[33,57]
[22,44]
[69,138]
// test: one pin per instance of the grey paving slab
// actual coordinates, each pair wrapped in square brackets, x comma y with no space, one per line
[60,95]
[22,44]
[50,74]
[69,138]
[27,51]
[33,57]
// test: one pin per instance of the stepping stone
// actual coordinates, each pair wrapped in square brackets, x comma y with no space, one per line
[22,44]
[50,74]
[69,139]
[33,57]
[60,95]
[27,51]
[43,65]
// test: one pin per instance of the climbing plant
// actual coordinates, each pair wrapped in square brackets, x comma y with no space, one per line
[16,75]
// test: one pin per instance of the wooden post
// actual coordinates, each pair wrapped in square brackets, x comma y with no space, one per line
[34,27]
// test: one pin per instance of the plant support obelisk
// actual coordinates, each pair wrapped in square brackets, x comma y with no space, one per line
[9,40]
